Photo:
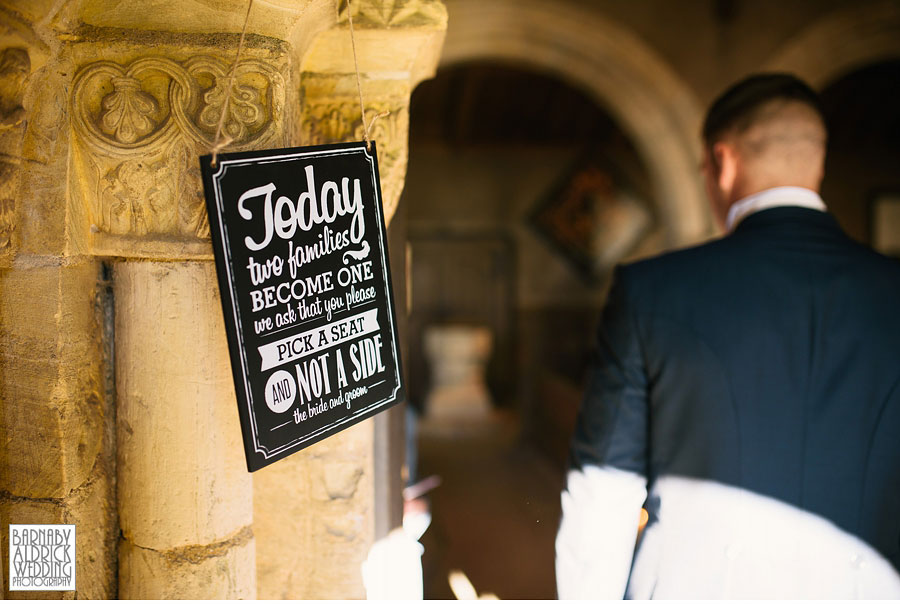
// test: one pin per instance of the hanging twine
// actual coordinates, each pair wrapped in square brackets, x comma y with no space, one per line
[362,110]
[220,143]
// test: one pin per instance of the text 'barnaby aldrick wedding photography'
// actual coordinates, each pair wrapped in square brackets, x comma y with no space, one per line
[41,557]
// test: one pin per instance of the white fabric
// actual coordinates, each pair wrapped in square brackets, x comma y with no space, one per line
[772,198]
[393,568]
[710,541]
[594,546]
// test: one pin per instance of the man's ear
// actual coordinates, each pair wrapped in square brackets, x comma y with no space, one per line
[726,161]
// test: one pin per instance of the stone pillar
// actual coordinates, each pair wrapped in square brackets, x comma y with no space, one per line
[185,496]
[146,86]
[56,407]
[56,451]
[325,523]
[140,117]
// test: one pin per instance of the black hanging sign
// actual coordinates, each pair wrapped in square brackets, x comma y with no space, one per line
[299,242]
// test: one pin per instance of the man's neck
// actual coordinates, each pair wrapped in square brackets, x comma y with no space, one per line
[772,198]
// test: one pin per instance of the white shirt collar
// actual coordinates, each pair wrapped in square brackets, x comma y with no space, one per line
[772,198]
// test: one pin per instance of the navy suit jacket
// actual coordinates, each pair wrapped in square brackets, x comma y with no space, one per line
[768,360]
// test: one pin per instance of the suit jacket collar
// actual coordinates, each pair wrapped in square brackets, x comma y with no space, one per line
[786,215]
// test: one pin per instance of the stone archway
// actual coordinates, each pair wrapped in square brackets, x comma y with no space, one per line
[841,42]
[620,72]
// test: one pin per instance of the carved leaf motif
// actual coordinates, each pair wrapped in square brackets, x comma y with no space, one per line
[142,197]
[160,210]
[383,12]
[382,128]
[192,216]
[127,111]
[340,122]
[336,124]
[123,213]
[244,109]
[142,112]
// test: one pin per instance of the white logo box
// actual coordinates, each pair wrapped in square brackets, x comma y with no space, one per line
[41,557]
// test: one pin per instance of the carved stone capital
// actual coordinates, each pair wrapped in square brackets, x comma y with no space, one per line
[128,109]
[395,13]
[139,127]
[329,120]
[395,39]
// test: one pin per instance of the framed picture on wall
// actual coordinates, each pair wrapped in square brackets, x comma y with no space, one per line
[884,222]
[593,216]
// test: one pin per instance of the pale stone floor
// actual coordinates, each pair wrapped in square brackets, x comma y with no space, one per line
[495,514]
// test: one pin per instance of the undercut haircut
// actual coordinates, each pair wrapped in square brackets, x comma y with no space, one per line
[738,107]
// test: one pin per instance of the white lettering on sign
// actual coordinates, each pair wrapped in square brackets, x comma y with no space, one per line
[312,378]
[280,391]
[284,292]
[304,344]
[366,358]
[285,216]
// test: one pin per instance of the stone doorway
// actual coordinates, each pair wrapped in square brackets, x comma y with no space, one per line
[862,184]
[494,150]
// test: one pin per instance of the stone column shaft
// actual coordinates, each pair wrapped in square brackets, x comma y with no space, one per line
[185,496]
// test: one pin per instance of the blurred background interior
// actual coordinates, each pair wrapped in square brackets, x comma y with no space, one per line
[557,140]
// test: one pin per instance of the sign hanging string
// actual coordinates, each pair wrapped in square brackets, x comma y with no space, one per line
[220,143]
[362,109]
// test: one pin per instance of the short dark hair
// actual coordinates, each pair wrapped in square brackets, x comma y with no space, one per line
[737,106]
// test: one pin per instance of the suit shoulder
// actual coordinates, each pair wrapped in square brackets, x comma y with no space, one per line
[677,264]
[725,258]
[877,260]
[878,269]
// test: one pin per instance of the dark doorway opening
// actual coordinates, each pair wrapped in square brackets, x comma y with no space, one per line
[517,184]
[862,179]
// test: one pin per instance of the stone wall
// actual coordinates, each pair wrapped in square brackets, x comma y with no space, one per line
[118,411]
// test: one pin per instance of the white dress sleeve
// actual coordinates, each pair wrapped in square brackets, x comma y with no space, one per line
[596,538]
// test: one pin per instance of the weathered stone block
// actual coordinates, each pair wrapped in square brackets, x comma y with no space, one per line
[225,570]
[41,213]
[324,524]
[91,509]
[50,378]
